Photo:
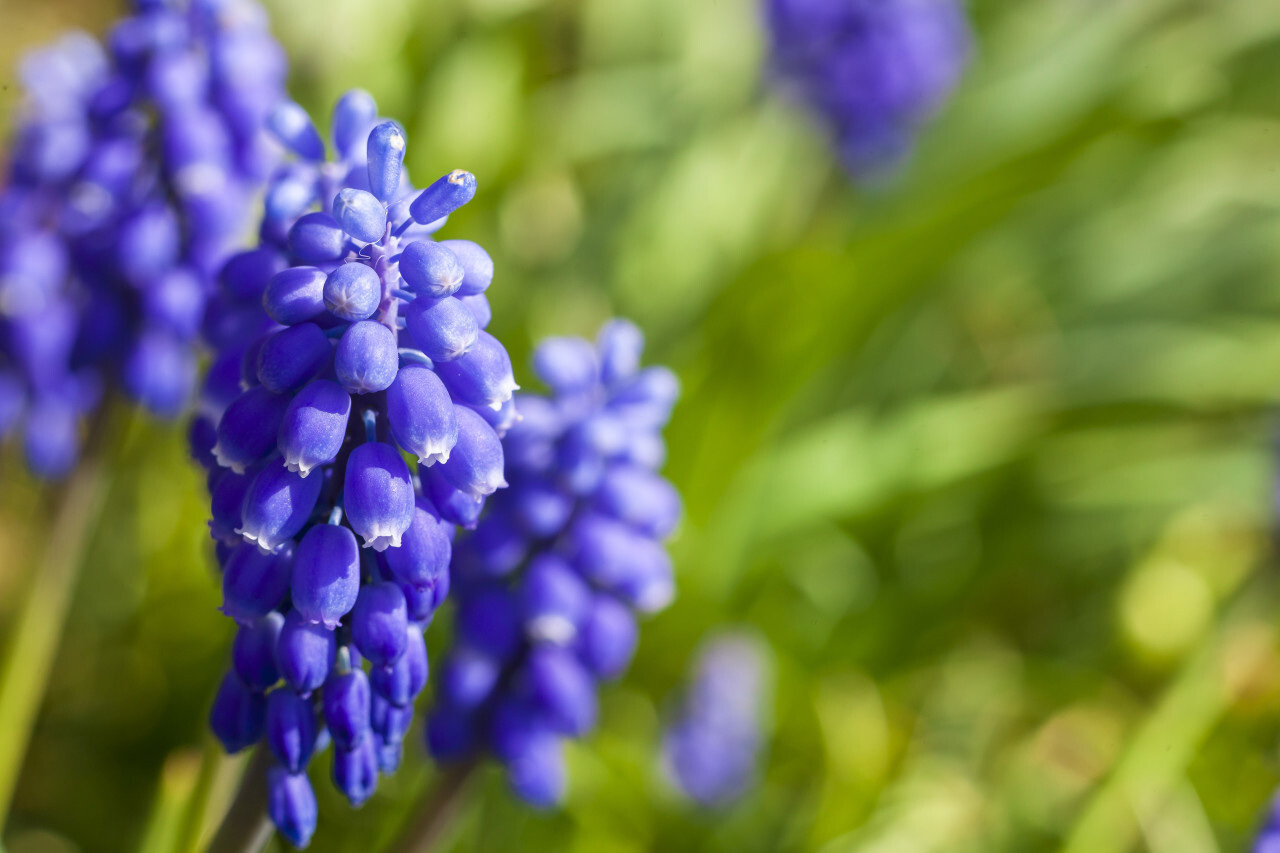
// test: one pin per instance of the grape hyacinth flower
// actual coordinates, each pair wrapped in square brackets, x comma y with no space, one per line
[352,417]
[711,747]
[550,583]
[871,70]
[132,174]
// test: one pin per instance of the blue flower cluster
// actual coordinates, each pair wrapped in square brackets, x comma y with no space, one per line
[349,341]
[548,584]
[132,175]
[873,70]
[711,746]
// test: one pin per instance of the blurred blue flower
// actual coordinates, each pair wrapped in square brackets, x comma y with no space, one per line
[132,175]
[872,70]
[711,746]
[549,583]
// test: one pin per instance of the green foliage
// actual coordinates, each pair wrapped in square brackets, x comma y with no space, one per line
[986,453]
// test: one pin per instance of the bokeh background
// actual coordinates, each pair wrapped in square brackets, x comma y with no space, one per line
[986,452]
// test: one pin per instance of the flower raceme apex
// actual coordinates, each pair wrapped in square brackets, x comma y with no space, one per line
[352,418]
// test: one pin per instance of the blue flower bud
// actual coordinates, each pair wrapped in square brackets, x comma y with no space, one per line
[530,443]
[478,305]
[607,641]
[386,156]
[390,753]
[467,678]
[536,773]
[291,728]
[360,214]
[566,365]
[326,574]
[403,680]
[488,620]
[354,112]
[456,507]
[366,359]
[483,376]
[620,343]
[353,291]
[160,372]
[450,733]
[291,803]
[316,238]
[647,399]
[245,275]
[227,499]
[389,722]
[51,438]
[247,431]
[295,295]
[314,426]
[175,303]
[477,266]
[288,196]
[379,495]
[554,600]
[615,558]
[558,686]
[277,505]
[422,559]
[421,414]
[304,653]
[292,126]
[253,654]
[475,465]
[496,548]
[355,771]
[421,602]
[540,508]
[444,329]
[148,244]
[238,714]
[292,357]
[346,707]
[255,582]
[379,623]
[641,498]
[443,197]
[430,269]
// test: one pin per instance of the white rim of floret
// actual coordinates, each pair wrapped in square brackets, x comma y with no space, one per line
[383,541]
[655,597]
[552,628]
[220,455]
[262,540]
[429,456]
[505,393]
[297,466]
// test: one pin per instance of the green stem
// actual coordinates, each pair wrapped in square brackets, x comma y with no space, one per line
[437,814]
[246,828]
[33,642]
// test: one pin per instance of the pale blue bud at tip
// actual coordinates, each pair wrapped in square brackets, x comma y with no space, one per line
[292,125]
[360,214]
[443,197]
[430,269]
[367,358]
[386,159]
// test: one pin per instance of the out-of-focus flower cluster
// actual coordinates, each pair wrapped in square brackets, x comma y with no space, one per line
[349,341]
[133,173]
[872,70]
[548,584]
[711,747]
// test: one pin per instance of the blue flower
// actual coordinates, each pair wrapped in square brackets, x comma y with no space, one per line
[550,581]
[872,70]
[712,744]
[334,546]
[132,175]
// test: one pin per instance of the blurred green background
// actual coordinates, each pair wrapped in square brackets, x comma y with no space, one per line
[987,453]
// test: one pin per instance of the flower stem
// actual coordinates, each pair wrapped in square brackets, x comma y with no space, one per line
[33,643]
[438,811]
[245,828]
